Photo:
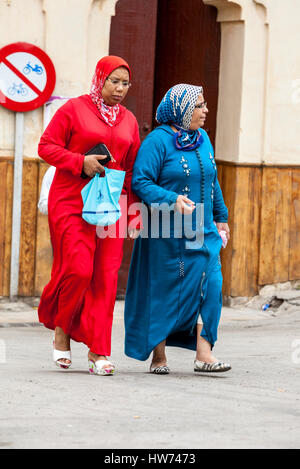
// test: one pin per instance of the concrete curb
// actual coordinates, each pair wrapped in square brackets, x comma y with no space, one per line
[24,313]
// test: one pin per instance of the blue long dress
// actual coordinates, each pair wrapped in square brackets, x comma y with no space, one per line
[169,283]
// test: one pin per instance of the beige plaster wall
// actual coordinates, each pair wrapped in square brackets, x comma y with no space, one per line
[258,117]
[259,85]
[74,33]
[282,132]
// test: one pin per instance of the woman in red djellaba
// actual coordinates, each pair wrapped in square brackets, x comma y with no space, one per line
[78,302]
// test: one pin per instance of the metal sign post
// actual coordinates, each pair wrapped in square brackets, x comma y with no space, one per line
[27,79]
[17,199]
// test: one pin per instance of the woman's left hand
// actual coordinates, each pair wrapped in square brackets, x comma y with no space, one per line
[224,227]
[133,233]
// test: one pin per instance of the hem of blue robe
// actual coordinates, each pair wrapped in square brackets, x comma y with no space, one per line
[181,339]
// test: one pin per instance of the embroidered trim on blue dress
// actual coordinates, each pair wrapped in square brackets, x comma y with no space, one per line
[185,166]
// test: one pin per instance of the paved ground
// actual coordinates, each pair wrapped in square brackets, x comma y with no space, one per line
[255,405]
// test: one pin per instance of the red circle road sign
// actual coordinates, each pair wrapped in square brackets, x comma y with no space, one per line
[27,77]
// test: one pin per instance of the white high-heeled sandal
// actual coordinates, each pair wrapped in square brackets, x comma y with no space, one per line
[98,368]
[59,355]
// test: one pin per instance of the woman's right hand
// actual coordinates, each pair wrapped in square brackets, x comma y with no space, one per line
[91,166]
[184,205]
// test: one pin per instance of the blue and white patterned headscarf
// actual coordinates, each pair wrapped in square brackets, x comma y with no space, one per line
[177,107]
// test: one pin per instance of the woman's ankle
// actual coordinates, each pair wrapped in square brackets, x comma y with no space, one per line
[203,351]
[205,357]
[95,356]
[159,359]
[61,339]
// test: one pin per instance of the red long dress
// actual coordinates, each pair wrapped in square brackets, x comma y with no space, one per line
[81,294]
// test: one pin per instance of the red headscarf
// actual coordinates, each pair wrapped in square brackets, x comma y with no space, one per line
[104,68]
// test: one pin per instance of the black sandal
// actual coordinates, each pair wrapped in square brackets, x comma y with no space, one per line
[215,367]
[159,370]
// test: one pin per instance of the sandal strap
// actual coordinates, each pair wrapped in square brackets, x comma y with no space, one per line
[160,370]
[211,367]
[100,364]
[61,355]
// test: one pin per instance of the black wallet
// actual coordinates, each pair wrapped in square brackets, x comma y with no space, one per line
[99,149]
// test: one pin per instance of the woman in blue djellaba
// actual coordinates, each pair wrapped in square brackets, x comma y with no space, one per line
[174,290]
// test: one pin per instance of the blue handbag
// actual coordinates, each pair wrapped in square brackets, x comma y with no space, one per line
[101,198]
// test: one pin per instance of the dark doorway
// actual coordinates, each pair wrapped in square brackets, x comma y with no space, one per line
[165,42]
[133,37]
[188,51]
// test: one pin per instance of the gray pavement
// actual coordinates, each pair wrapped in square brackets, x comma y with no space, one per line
[255,405]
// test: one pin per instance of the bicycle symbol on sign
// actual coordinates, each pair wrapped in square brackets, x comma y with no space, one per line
[29,68]
[19,89]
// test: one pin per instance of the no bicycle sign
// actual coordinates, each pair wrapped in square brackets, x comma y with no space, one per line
[27,77]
